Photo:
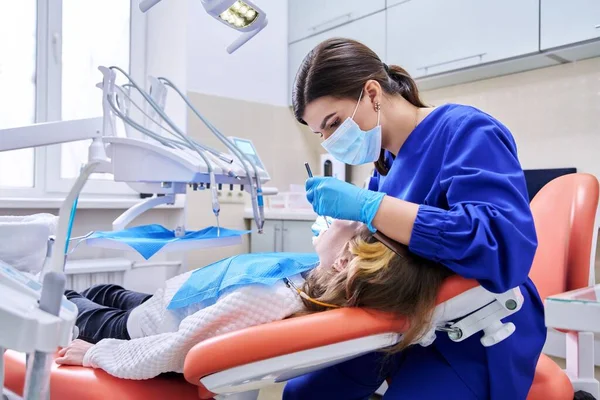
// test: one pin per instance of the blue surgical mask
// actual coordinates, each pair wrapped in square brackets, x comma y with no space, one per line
[351,145]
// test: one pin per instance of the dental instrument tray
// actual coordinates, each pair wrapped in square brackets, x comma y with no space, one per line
[135,160]
[148,240]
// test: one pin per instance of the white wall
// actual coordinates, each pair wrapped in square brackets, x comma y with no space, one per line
[256,72]
[166,50]
[553,113]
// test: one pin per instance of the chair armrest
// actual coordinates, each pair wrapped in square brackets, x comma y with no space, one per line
[453,286]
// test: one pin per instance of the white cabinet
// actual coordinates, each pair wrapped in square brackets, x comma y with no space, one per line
[283,236]
[369,30]
[270,240]
[566,22]
[310,17]
[434,36]
[297,236]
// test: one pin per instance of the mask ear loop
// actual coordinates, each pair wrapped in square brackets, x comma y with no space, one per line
[358,103]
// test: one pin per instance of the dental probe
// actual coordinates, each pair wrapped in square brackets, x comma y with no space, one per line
[310,175]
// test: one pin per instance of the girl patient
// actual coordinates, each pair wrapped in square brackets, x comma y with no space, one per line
[134,336]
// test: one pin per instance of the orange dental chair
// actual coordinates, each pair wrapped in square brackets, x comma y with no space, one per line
[238,364]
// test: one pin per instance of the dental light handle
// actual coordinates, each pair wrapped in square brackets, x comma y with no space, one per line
[145,5]
[245,37]
[37,380]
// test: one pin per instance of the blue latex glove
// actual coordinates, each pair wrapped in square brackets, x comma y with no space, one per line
[341,200]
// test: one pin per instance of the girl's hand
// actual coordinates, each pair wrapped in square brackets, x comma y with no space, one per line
[73,354]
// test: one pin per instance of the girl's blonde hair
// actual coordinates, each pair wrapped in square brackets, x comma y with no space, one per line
[378,278]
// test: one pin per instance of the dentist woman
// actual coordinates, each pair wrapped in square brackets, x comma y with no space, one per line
[448,184]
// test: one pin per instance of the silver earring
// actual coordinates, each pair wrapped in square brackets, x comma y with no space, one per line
[377,107]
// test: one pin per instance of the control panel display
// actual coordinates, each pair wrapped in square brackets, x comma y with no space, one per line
[248,149]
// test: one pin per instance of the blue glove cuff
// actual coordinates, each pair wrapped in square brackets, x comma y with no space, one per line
[370,206]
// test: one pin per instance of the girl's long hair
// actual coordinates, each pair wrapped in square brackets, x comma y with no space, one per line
[377,278]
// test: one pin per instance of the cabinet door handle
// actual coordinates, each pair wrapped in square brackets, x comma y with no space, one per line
[277,230]
[426,68]
[348,17]
[56,47]
[397,4]
[283,246]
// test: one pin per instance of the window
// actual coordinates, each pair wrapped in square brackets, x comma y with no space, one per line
[50,69]
[87,44]
[17,85]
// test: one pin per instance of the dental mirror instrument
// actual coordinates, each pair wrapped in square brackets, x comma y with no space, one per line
[308,170]
[310,175]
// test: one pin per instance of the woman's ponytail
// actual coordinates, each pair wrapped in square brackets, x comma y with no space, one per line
[407,87]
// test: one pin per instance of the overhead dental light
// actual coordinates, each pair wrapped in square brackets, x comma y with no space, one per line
[243,16]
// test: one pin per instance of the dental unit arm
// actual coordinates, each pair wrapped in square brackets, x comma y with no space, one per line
[255,190]
[196,165]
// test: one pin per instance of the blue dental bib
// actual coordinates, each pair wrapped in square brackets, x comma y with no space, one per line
[209,282]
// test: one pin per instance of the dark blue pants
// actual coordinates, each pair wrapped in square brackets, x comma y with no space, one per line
[417,373]
[104,310]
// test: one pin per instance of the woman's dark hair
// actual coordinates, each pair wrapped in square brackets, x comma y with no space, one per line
[340,68]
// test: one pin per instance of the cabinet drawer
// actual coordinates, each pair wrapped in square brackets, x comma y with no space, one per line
[310,17]
[270,240]
[297,237]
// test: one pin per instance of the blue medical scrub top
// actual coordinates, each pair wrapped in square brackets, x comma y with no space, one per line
[461,165]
